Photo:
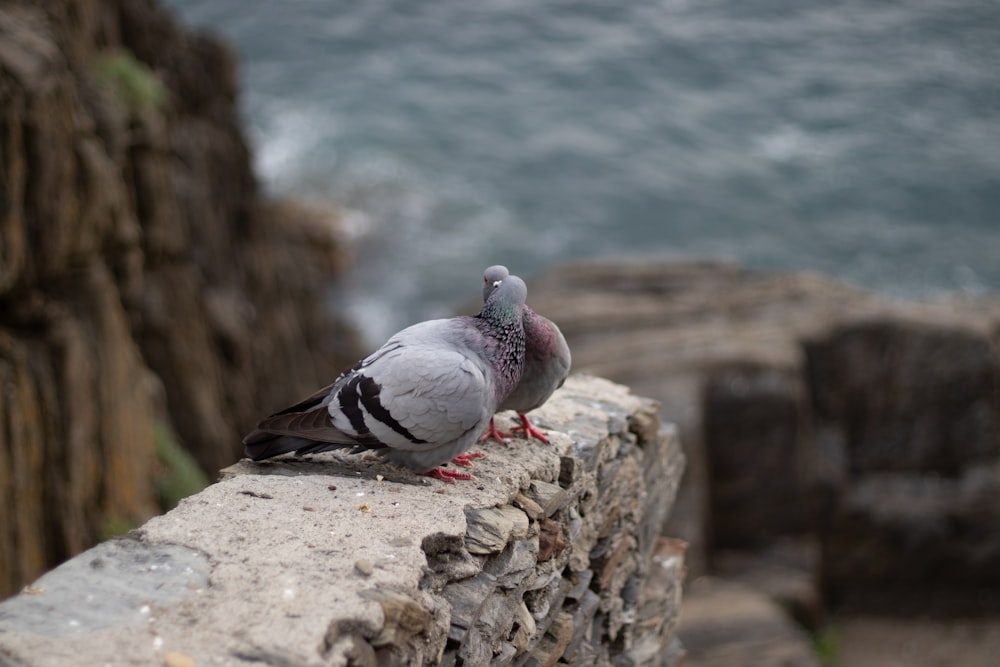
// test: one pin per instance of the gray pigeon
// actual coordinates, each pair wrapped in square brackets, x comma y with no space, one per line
[546,364]
[423,398]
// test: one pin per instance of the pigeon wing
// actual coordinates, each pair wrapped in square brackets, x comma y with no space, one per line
[416,397]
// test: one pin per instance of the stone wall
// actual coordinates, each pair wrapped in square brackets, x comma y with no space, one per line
[553,556]
[839,442]
[144,283]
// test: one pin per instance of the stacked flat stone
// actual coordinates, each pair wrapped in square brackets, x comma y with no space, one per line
[573,571]
[553,556]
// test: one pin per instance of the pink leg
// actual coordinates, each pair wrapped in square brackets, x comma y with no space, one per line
[529,429]
[448,475]
[467,458]
[495,434]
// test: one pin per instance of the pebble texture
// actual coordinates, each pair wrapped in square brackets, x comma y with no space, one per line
[554,556]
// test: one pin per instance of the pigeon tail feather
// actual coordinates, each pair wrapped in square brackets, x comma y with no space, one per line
[260,445]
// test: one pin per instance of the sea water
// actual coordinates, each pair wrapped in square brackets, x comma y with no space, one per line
[858,138]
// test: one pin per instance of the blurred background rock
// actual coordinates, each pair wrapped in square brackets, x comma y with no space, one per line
[843,455]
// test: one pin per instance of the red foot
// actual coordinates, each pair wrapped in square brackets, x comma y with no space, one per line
[529,430]
[467,458]
[495,434]
[448,475]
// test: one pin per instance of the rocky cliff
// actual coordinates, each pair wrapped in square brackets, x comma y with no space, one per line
[145,284]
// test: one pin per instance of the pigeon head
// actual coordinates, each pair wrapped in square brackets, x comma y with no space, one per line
[503,311]
[491,279]
[507,293]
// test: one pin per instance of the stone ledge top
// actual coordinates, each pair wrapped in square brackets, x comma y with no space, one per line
[261,565]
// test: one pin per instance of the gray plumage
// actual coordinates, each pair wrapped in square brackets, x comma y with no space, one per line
[421,399]
[546,362]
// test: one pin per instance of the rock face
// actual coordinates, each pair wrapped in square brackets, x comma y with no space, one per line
[867,430]
[916,395]
[553,556]
[908,413]
[142,277]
